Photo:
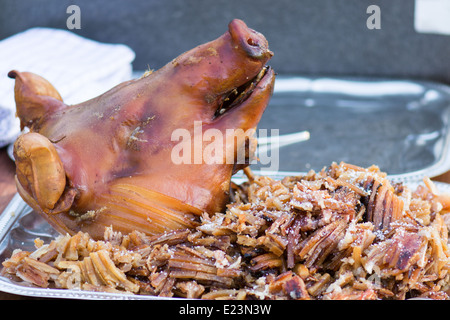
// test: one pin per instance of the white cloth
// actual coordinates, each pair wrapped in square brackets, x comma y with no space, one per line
[79,68]
[432,16]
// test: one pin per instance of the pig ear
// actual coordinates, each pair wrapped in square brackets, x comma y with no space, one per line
[35,97]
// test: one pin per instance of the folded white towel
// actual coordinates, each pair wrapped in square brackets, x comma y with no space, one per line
[79,68]
[432,16]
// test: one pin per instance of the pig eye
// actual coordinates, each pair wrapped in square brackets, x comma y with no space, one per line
[251,42]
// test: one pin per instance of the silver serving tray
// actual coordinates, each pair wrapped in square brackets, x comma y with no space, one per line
[20,226]
[401,126]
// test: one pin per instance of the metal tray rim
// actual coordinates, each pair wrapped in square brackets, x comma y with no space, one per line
[296,83]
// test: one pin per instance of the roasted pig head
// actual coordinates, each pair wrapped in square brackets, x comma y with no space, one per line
[110,161]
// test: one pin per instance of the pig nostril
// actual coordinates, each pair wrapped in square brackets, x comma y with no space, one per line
[251,42]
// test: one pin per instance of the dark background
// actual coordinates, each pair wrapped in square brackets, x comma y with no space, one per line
[308,37]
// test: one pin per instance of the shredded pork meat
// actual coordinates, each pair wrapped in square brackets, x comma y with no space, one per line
[342,233]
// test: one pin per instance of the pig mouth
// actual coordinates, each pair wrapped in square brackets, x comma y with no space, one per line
[238,95]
